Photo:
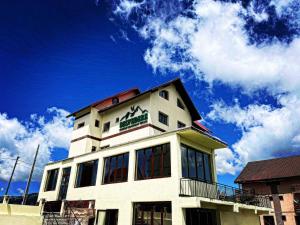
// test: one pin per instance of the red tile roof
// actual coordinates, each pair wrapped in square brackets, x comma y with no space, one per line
[270,169]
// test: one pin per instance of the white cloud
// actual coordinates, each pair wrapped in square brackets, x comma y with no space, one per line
[214,45]
[19,138]
[266,131]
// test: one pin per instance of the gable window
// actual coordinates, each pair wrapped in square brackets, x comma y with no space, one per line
[195,164]
[106,127]
[180,104]
[163,118]
[80,125]
[180,124]
[86,174]
[116,168]
[97,123]
[153,162]
[51,180]
[164,94]
[115,100]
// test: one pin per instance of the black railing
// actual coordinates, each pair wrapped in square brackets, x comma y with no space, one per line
[196,188]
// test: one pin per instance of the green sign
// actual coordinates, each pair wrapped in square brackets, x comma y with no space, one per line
[131,119]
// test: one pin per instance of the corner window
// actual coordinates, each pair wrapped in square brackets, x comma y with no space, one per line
[86,174]
[180,104]
[153,162]
[195,164]
[164,94]
[51,180]
[180,124]
[116,168]
[106,127]
[115,100]
[163,118]
[80,125]
[97,123]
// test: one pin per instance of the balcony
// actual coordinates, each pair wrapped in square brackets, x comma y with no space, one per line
[196,188]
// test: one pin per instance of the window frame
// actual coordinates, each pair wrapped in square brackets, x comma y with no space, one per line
[161,166]
[80,125]
[48,178]
[163,114]
[164,94]
[106,129]
[180,124]
[180,104]
[122,172]
[95,176]
[204,172]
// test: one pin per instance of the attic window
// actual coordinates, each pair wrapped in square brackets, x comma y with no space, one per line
[115,100]
[180,104]
[80,125]
[164,94]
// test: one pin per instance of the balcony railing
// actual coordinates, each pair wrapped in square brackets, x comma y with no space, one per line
[196,188]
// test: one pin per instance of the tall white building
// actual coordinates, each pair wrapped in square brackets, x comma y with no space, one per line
[142,158]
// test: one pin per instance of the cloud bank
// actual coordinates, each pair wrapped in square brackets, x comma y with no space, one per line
[237,45]
[18,138]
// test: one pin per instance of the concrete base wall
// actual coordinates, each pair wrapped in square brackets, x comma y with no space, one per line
[241,218]
[20,215]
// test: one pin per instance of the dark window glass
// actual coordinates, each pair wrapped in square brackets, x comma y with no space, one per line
[180,124]
[184,161]
[80,125]
[93,148]
[153,162]
[192,164]
[106,127]
[51,180]
[163,118]
[180,104]
[283,218]
[156,213]
[280,197]
[97,123]
[117,120]
[116,168]
[86,174]
[164,94]
[195,164]
[115,100]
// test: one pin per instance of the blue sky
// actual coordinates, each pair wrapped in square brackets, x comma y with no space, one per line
[67,54]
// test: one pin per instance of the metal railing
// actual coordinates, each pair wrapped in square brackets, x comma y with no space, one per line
[196,188]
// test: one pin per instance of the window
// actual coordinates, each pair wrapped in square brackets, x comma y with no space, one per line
[93,148]
[97,123]
[156,213]
[180,104]
[280,197]
[80,125]
[116,168]
[115,100]
[153,162]
[164,94]
[180,124]
[51,180]
[283,218]
[163,118]
[195,164]
[117,120]
[106,127]
[269,220]
[86,174]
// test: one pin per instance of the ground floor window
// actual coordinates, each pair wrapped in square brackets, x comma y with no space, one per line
[107,217]
[86,174]
[152,213]
[197,216]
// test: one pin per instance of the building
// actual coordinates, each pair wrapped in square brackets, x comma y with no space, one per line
[141,158]
[280,180]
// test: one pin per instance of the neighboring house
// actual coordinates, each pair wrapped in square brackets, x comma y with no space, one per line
[280,180]
[143,159]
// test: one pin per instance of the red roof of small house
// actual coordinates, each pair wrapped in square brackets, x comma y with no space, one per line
[201,126]
[271,169]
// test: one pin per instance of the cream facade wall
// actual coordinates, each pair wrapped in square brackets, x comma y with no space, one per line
[243,217]
[20,214]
